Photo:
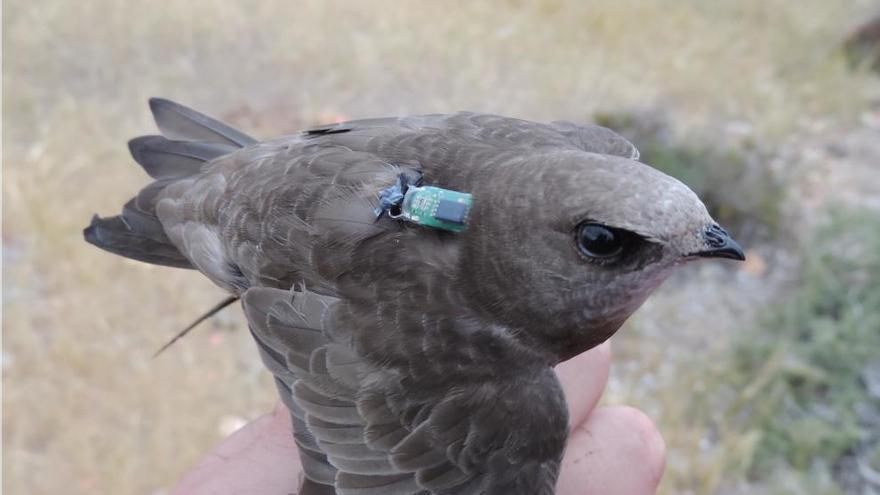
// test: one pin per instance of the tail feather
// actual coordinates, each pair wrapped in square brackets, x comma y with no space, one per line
[143,220]
[189,140]
[114,235]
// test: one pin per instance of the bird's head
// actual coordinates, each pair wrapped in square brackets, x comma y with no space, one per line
[565,247]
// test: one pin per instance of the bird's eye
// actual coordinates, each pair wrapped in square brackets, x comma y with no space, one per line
[599,241]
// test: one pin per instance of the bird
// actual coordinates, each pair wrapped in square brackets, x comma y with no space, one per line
[411,282]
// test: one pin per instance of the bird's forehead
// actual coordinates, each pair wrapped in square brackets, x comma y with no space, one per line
[630,195]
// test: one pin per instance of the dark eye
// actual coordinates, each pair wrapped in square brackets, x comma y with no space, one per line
[599,241]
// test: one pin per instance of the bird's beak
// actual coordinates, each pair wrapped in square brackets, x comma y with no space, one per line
[720,245]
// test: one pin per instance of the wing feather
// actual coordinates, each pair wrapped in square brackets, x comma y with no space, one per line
[375,439]
[180,123]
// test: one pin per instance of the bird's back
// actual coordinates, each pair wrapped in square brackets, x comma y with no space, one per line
[295,209]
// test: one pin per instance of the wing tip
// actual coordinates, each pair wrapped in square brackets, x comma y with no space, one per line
[138,146]
[170,114]
[96,227]
[90,232]
[156,102]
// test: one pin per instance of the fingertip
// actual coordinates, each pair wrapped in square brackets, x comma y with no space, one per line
[647,448]
[261,457]
[617,450]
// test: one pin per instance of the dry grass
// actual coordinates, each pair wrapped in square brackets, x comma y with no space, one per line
[85,409]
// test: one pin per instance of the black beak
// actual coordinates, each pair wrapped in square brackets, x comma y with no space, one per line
[720,245]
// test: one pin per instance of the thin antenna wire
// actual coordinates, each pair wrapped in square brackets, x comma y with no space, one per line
[211,312]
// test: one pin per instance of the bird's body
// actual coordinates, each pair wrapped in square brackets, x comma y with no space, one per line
[415,360]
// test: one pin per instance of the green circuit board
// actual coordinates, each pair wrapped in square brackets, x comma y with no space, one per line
[437,208]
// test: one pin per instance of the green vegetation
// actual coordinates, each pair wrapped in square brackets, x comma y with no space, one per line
[797,382]
[782,399]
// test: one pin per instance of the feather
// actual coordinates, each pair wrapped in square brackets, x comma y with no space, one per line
[355,484]
[353,451]
[310,487]
[163,159]
[343,366]
[416,451]
[211,312]
[322,407]
[334,432]
[371,467]
[178,122]
[114,235]
[317,468]
[384,436]
[441,477]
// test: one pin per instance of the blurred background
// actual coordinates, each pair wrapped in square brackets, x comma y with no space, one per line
[764,377]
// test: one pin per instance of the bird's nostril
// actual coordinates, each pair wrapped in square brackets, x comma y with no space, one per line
[716,237]
[720,245]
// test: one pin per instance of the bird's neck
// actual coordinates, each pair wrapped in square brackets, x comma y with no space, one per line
[577,340]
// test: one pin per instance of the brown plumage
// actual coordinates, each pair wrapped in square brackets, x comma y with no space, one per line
[416,360]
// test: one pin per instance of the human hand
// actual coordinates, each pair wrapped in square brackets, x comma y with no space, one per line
[613,450]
